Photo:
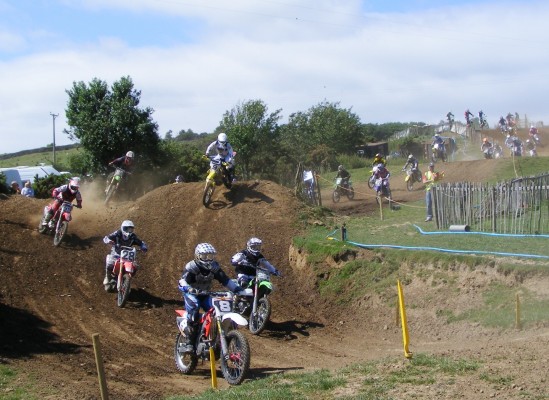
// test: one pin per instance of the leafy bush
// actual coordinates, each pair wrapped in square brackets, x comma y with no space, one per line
[3,184]
[44,186]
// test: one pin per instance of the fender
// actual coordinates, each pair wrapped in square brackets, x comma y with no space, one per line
[211,175]
[237,318]
[266,286]
[129,267]
[67,216]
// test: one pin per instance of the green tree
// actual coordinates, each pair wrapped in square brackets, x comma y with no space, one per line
[109,122]
[252,131]
[325,126]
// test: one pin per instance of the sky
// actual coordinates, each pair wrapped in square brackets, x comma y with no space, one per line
[194,60]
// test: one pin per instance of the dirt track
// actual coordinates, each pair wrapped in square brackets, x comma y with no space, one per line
[52,299]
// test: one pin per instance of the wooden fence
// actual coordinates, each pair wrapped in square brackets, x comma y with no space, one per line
[520,206]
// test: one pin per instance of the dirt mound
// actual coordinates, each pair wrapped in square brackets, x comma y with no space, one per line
[52,299]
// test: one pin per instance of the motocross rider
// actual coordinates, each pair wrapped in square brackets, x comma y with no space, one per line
[246,261]
[223,150]
[344,175]
[68,192]
[198,275]
[378,159]
[124,236]
[412,162]
[125,162]
[486,145]
[437,139]
[382,173]
[468,115]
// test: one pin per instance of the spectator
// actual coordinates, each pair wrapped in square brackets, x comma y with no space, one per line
[15,189]
[27,191]
[429,179]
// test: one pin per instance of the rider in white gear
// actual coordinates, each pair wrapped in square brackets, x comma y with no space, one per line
[222,150]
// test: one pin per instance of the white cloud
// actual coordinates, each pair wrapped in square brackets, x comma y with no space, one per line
[293,55]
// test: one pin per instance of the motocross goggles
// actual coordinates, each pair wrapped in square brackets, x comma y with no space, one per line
[255,247]
[74,188]
[128,229]
[206,257]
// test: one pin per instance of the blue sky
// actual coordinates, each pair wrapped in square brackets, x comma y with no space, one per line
[193,60]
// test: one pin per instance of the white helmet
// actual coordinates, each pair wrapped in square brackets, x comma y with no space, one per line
[340,168]
[127,228]
[410,156]
[437,135]
[254,246]
[222,138]
[204,255]
[130,154]
[74,184]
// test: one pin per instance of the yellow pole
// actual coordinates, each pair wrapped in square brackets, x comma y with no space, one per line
[99,363]
[212,368]
[517,313]
[405,337]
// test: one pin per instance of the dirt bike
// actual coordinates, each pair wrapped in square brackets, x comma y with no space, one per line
[254,302]
[498,151]
[218,331]
[217,175]
[59,222]
[124,270]
[488,153]
[438,153]
[483,123]
[343,189]
[372,179]
[382,190]
[413,175]
[114,183]
[535,138]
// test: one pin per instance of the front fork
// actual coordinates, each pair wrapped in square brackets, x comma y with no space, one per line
[223,339]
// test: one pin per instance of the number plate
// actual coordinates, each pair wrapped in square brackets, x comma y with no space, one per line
[128,255]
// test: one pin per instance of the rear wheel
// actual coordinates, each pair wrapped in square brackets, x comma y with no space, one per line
[184,362]
[208,192]
[259,319]
[335,196]
[124,290]
[60,233]
[236,366]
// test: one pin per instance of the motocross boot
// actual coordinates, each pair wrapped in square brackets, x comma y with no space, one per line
[47,218]
[108,282]
[190,332]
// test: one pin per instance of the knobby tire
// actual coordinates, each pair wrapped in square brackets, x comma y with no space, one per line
[208,193]
[110,193]
[124,291]
[236,367]
[60,233]
[258,321]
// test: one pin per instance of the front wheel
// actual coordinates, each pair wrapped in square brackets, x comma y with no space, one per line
[208,192]
[185,362]
[60,233]
[259,319]
[410,183]
[336,196]
[110,193]
[351,193]
[124,290]
[371,182]
[236,363]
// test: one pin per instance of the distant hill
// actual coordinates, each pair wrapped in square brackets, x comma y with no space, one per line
[5,156]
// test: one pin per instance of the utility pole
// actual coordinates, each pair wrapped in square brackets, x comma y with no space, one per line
[53,116]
